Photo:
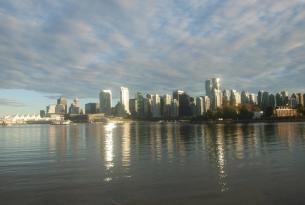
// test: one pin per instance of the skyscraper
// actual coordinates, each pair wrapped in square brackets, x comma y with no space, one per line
[207,103]
[75,107]
[213,91]
[260,98]
[105,101]
[155,106]
[300,99]
[166,106]
[63,101]
[140,104]
[208,87]
[199,106]
[125,99]
[235,98]
[216,83]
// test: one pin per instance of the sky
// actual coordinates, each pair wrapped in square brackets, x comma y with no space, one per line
[74,48]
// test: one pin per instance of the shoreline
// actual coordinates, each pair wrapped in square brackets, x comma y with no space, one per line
[207,122]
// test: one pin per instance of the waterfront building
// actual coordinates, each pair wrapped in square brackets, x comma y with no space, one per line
[252,98]
[174,108]
[199,106]
[207,103]
[260,98]
[279,99]
[60,109]
[235,98]
[208,87]
[226,95]
[214,93]
[125,99]
[63,101]
[285,96]
[272,100]
[293,101]
[285,111]
[51,109]
[133,107]
[92,108]
[245,97]
[140,100]
[156,106]
[177,94]
[216,83]
[75,107]
[185,105]
[265,100]
[166,106]
[105,101]
[300,99]
[148,106]
[193,106]
[42,113]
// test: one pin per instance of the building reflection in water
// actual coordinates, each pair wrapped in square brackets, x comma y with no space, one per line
[126,145]
[109,145]
[220,155]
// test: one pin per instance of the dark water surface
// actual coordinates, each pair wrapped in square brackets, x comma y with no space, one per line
[153,163]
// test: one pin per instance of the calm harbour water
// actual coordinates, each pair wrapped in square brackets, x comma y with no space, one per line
[153,163]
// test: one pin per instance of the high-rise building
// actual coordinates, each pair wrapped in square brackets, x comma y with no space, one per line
[214,93]
[60,109]
[300,99]
[207,103]
[166,106]
[216,99]
[285,96]
[174,108]
[185,105]
[51,109]
[293,101]
[208,87]
[272,100]
[133,108]
[63,101]
[226,95]
[265,100]
[155,106]
[125,99]
[245,97]
[235,98]
[199,106]
[140,104]
[92,108]
[252,98]
[216,83]
[105,101]
[177,94]
[279,99]
[75,107]
[148,106]
[260,98]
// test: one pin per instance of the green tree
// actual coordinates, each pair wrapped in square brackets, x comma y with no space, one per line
[229,112]
[244,113]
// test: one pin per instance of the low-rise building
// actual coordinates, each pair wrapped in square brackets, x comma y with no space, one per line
[284,111]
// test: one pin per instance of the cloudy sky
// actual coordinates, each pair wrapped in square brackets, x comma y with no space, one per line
[76,47]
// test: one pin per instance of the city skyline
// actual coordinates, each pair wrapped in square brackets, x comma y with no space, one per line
[55,48]
[217,97]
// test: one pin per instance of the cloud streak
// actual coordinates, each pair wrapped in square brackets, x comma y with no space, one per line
[11,103]
[76,48]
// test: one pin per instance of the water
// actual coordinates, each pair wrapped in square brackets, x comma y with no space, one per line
[153,163]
